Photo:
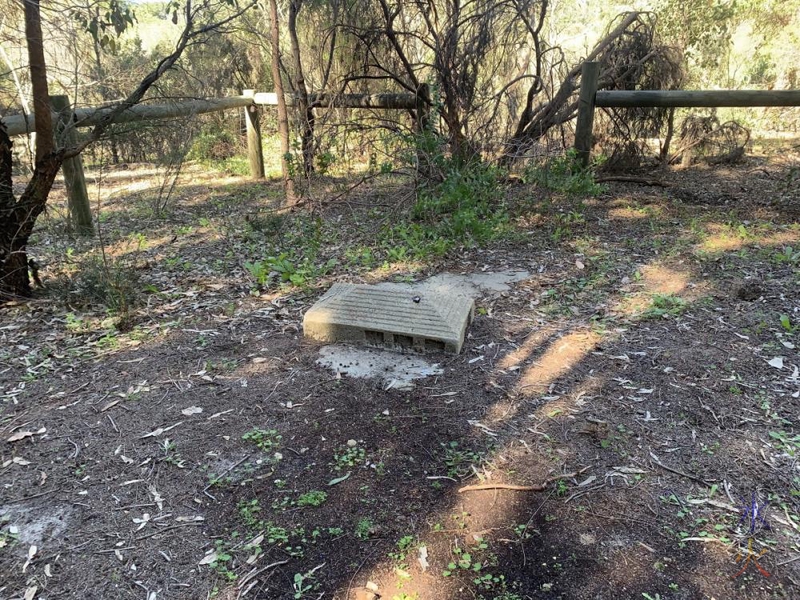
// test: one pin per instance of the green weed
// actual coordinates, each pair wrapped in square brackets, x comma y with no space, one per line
[563,174]
[364,528]
[665,305]
[313,498]
[459,460]
[266,440]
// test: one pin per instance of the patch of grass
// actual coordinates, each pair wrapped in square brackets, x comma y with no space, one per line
[460,204]
[664,305]
[563,174]
[786,442]
[459,460]
[93,281]
[787,255]
[313,498]
[266,440]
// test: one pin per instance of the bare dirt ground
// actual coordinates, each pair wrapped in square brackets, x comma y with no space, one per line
[647,372]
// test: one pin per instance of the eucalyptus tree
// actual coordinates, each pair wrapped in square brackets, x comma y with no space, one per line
[18,215]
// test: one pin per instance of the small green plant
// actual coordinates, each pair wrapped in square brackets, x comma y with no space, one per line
[287,268]
[786,323]
[466,561]
[348,456]
[266,440]
[248,511]
[222,562]
[313,498]
[665,305]
[302,583]
[459,460]
[171,454]
[7,538]
[563,174]
[364,528]
[404,544]
[459,203]
[786,442]
[787,255]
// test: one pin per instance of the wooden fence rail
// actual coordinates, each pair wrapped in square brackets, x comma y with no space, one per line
[88,117]
[590,97]
[80,213]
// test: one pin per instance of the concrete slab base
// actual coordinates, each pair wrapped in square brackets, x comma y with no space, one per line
[396,372]
[391,318]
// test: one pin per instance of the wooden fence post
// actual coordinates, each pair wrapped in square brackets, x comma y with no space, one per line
[590,72]
[254,152]
[80,213]
[423,107]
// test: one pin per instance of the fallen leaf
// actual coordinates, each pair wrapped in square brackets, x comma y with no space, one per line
[629,470]
[776,362]
[338,479]
[143,521]
[21,435]
[159,431]
[31,553]
[109,405]
[208,559]
[189,519]
[191,410]
[157,498]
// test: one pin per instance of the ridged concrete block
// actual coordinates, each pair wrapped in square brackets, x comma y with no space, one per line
[385,317]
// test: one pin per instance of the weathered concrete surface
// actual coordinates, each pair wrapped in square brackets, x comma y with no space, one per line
[391,317]
[397,371]
[472,285]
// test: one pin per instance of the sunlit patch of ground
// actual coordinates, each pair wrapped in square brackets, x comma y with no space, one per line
[650,281]
[559,358]
[626,214]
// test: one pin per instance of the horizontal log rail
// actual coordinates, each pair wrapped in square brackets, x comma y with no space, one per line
[386,101]
[249,101]
[590,97]
[88,117]
[696,98]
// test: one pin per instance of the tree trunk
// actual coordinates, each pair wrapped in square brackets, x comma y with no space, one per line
[304,108]
[17,217]
[283,114]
